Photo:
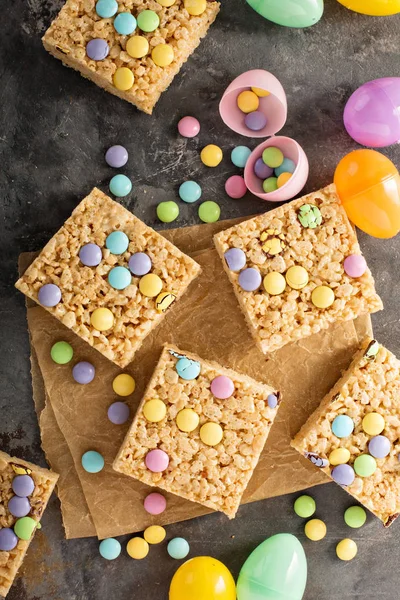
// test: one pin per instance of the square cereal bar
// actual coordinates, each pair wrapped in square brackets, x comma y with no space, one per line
[210,423]
[127,315]
[289,273]
[12,548]
[354,436]
[142,81]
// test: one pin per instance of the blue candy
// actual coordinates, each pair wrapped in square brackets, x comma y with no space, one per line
[240,155]
[120,185]
[119,278]
[92,461]
[189,191]
[287,166]
[178,548]
[106,8]
[110,549]
[117,242]
[125,23]
[188,369]
[342,426]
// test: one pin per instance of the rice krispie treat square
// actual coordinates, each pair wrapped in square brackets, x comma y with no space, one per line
[133,57]
[108,277]
[25,490]
[354,436]
[199,431]
[297,269]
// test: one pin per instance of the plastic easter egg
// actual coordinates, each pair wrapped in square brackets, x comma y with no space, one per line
[277,568]
[202,578]
[376,8]
[372,113]
[289,13]
[368,185]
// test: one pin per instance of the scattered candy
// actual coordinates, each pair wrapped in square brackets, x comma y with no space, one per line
[188,369]
[61,353]
[178,548]
[49,295]
[90,255]
[249,279]
[255,120]
[262,170]
[248,101]
[211,155]
[195,7]
[188,127]
[296,277]
[211,434]
[157,460]
[19,507]
[119,278]
[260,92]
[137,46]
[123,79]
[97,49]
[120,185]
[287,166]
[23,485]
[150,285]
[187,420]
[322,296]
[189,191]
[235,259]
[125,23]
[240,156]
[110,548]
[117,242]
[309,216]
[273,157]
[274,283]
[118,413]
[164,300]
[235,186]
[116,156]
[373,423]
[355,265]
[339,456]
[123,384]
[355,517]
[92,461]
[272,401]
[222,387]
[305,506]
[283,179]
[270,185]
[137,548]
[163,55]
[102,319]
[24,528]
[139,264]
[365,465]
[209,211]
[154,534]
[167,211]
[83,372]
[346,549]
[154,410]
[155,504]
[343,474]
[8,539]
[342,426]
[315,530]
[106,8]
[379,446]
[148,20]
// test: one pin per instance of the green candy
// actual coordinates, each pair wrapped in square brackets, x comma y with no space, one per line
[24,528]
[273,157]
[365,465]
[309,216]
[304,506]
[167,211]
[209,212]
[372,350]
[148,20]
[270,184]
[61,353]
[355,517]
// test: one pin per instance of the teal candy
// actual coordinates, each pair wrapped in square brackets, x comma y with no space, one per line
[106,8]
[289,13]
[287,166]
[240,155]
[188,369]
[178,548]
[342,426]
[275,570]
[110,549]
[119,278]
[189,191]
[125,23]
[92,461]
[117,242]
[120,185]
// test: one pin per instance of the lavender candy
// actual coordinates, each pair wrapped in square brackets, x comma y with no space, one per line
[249,279]
[379,446]
[19,507]
[343,474]
[23,485]
[118,413]
[49,295]
[90,255]
[255,120]
[116,156]
[8,539]
[97,49]
[139,264]
[83,372]
[235,259]
[262,170]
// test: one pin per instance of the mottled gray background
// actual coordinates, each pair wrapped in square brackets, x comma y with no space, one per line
[56,128]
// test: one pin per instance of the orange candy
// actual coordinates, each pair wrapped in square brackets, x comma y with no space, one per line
[283,178]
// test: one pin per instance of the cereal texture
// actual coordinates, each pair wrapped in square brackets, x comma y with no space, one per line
[213,476]
[84,289]
[367,386]
[78,23]
[44,484]
[277,320]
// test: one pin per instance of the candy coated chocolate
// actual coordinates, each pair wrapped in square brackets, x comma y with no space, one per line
[83,372]
[188,127]
[110,548]
[92,461]
[23,485]
[235,259]
[262,170]
[19,507]
[222,387]
[343,474]
[90,255]
[249,279]
[118,413]
[235,186]
[272,401]
[187,368]
[178,548]
[8,539]
[119,278]
[255,120]
[49,295]
[342,426]
[240,156]
[97,49]
[117,242]
[157,460]
[116,156]
[24,528]
[155,503]
[355,265]
[379,446]
[139,264]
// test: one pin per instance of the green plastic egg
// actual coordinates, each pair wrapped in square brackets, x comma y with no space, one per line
[289,13]
[275,570]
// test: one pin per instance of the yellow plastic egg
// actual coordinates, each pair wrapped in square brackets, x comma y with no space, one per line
[195,7]
[211,155]
[137,46]
[150,285]
[162,55]
[187,420]
[211,434]
[322,296]
[297,277]
[373,423]
[137,548]
[274,283]
[346,549]
[124,384]
[102,319]
[260,92]
[315,530]
[377,8]
[339,456]
[123,79]
[154,410]
[154,534]
[202,578]
[248,101]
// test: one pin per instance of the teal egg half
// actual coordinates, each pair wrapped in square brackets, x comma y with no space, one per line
[289,13]
[275,570]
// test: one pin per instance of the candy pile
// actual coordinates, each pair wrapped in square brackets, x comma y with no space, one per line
[248,102]
[274,169]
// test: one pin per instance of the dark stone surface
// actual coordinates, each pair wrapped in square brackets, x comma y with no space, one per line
[56,127]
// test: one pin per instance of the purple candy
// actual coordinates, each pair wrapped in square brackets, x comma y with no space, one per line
[255,120]
[249,279]
[49,295]
[83,372]
[272,401]
[23,485]
[19,507]
[262,170]
[343,474]
[97,49]
[139,264]
[90,255]
[379,446]
[235,259]
[8,539]
[116,156]
[118,413]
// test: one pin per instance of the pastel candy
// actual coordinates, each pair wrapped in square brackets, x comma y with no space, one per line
[23,485]
[118,413]
[222,387]
[157,460]
[249,279]
[90,255]
[19,507]
[235,259]
[49,295]
[139,264]
[188,369]
[8,539]
[343,474]
[355,265]
[155,503]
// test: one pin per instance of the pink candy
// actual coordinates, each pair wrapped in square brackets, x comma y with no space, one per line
[189,127]
[235,187]
[155,504]
[157,460]
[355,265]
[222,387]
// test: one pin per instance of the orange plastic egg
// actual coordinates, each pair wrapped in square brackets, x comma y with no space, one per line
[368,185]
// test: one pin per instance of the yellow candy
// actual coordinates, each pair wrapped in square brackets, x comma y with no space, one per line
[260,92]
[322,296]
[162,55]
[137,46]
[164,300]
[297,277]
[340,456]
[150,285]
[211,434]
[187,420]
[373,423]
[124,385]
[211,155]
[274,283]
[283,178]
[123,79]
[154,410]
[195,7]
[166,3]
[346,549]
[248,101]
[102,319]
[137,548]
[154,534]
[315,530]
